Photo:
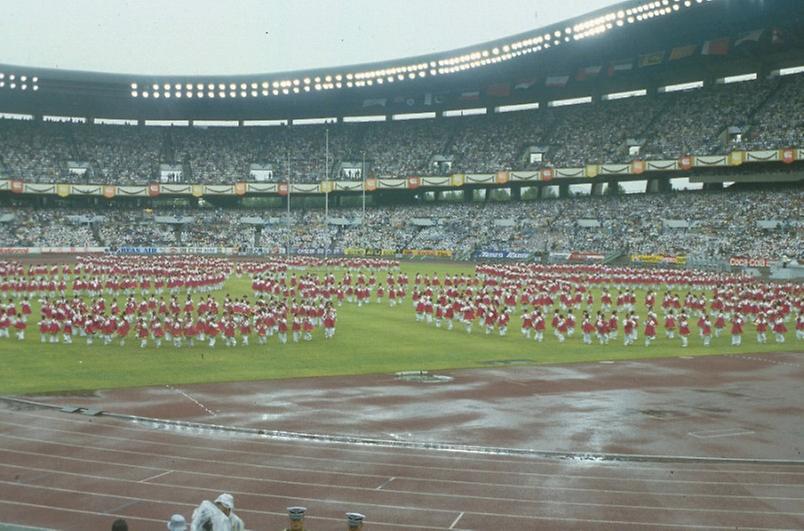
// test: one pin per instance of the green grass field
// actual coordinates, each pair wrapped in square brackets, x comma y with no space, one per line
[369,340]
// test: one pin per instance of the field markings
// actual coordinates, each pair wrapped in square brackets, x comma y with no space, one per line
[455,522]
[400,452]
[354,474]
[724,432]
[196,402]
[386,483]
[156,476]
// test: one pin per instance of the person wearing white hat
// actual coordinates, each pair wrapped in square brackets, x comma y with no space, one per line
[217,516]
[177,523]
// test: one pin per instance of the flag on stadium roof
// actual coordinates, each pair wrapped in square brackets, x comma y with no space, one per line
[651,59]
[588,72]
[688,50]
[375,102]
[716,47]
[556,81]
[751,36]
[499,90]
[620,66]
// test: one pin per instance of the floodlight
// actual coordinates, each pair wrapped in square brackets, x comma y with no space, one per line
[134,94]
[167,94]
[221,94]
[221,86]
[177,95]
[232,94]
[306,88]
[243,93]
[155,86]
[133,85]
[188,86]
[211,94]
[264,92]
[265,84]
[199,94]
[243,86]
[295,90]
[156,94]
[189,94]
[145,94]
[276,92]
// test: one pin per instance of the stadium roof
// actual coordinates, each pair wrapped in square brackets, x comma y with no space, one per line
[634,44]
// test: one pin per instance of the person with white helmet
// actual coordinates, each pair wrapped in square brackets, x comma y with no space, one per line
[217,516]
[177,523]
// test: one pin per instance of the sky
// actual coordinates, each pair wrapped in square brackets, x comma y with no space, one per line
[224,37]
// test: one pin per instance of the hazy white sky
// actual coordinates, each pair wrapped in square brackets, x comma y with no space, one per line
[255,36]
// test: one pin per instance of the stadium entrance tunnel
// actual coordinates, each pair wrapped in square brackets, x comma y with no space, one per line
[422,377]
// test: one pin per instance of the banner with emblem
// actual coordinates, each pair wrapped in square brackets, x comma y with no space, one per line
[4,185]
[348,186]
[240,188]
[283,189]
[502,177]
[592,170]
[259,188]
[86,189]
[299,188]
[787,155]
[708,161]
[736,158]
[457,179]
[686,162]
[480,178]
[615,169]
[638,167]
[371,185]
[660,165]
[215,189]
[63,190]
[153,189]
[546,174]
[178,189]
[17,187]
[109,191]
[325,187]
[413,183]
[198,190]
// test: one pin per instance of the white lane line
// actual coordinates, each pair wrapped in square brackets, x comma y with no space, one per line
[374,523]
[385,483]
[430,495]
[452,526]
[713,434]
[146,480]
[355,474]
[399,452]
[196,402]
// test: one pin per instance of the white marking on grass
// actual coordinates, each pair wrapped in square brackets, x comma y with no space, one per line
[385,483]
[724,432]
[452,526]
[156,476]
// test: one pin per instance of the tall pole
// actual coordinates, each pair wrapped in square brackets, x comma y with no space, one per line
[326,194]
[363,175]
[287,247]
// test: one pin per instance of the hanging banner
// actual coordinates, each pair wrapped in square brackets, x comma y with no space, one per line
[325,187]
[392,184]
[174,189]
[17,187]
[480,178]
[4,185]
[348,186]
[240,188]
[130,191]
[109,191]
[211,189]
[457,179]
[711,161]
[736,158]
[153,189]
[30,188]
[761,156]
[788,155]
[615,169]
[546,174]
[502,177]
[570,172]
[198,190]
[413,183]
[660,165]
[637,167]
[304,188]
[63,190]
[86,189]
[524,175]
[283,189]
[435,181]
[592,170]
[371,185]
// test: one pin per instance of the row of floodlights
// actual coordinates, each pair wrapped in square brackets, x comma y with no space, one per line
[595,26]
[21,82]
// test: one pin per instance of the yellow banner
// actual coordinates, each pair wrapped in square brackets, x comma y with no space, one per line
[63,190]
[592,170]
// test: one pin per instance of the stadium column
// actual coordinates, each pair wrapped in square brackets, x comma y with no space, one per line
[516,193]
[597,188]
[563,191]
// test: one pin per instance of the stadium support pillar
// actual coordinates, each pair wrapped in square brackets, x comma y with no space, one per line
[652,186]
[296,516]
[563,191]
[516,193]
[468,195]
[597,188]
[487,195]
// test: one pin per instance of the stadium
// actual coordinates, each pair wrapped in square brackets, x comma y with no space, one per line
[547,281]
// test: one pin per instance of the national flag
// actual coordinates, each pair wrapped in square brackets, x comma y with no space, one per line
[524,84]
[499,90]
[620,66]
[751,36]
[716,47]
[375,102]
[651,59]
[556,81]
[470,95]
[587,72]
[681,52]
